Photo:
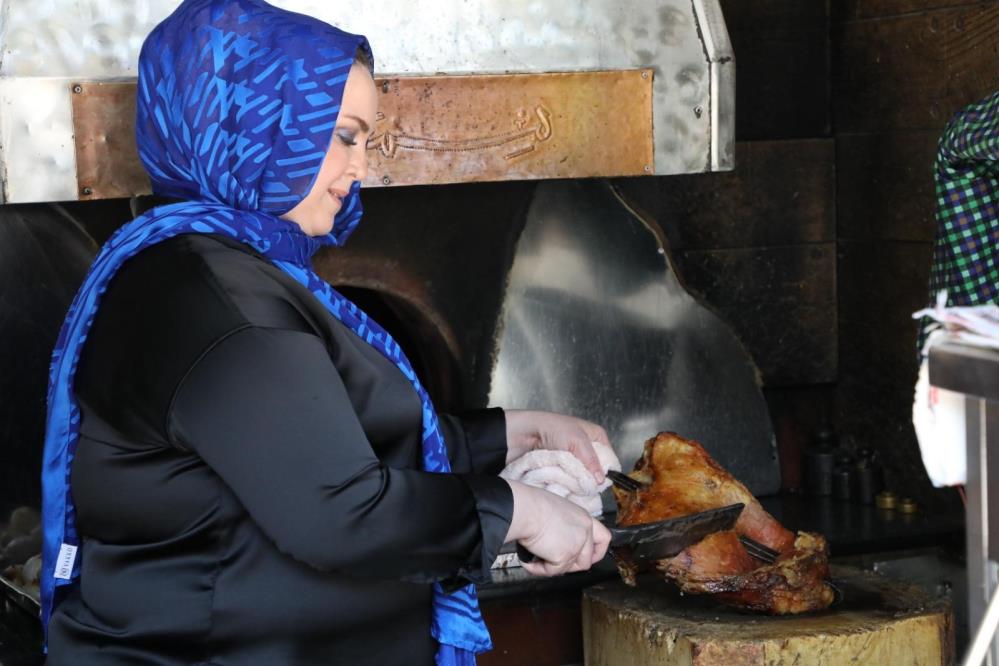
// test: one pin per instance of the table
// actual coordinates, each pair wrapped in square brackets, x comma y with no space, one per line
[974,373]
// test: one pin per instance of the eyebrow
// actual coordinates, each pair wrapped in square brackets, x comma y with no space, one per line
[364,125]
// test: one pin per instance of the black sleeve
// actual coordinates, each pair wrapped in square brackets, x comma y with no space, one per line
[476,440]
[269,413]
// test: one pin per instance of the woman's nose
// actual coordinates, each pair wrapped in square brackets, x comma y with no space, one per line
[359,161]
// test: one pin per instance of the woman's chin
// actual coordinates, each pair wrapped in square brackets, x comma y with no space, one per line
[321,229]
[320,226]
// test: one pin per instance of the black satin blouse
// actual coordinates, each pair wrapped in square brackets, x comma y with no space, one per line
[248,478]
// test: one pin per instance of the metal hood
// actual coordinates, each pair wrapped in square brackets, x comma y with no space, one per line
[476,90]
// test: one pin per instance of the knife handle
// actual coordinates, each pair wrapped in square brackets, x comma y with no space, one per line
[525,556]
[619,536]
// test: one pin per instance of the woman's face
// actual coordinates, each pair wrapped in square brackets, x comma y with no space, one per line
[345,161]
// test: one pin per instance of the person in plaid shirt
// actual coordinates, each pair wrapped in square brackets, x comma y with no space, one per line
[966,248]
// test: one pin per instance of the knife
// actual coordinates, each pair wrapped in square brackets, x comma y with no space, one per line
[665,538]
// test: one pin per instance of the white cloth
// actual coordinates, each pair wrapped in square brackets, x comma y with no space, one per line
[938,419]
[562,473]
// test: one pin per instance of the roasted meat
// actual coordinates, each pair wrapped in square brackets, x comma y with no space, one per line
[683,479]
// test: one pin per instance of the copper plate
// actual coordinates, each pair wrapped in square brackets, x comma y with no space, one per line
[454,129]
[107,162]
[431,129]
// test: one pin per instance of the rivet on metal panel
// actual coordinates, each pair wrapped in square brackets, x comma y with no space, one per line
[77,89]
[698,111]
[645,75]
[648,168]
[386,180]
[87,191]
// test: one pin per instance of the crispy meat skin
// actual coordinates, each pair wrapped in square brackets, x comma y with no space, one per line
[684,479]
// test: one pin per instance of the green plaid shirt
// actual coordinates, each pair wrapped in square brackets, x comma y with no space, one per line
[966,248]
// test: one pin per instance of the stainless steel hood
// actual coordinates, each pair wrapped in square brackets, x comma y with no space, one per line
[51,49]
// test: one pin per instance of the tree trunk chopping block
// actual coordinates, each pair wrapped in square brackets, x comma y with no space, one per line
[876,621]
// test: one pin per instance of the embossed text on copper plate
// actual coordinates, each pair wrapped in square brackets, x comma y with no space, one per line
[447,129]
[431,129]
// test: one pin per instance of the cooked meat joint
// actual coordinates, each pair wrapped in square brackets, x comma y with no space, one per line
[683,479]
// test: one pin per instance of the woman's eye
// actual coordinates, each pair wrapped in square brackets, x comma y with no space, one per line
[347,138]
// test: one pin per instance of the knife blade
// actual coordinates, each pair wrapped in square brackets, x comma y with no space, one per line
[665,538]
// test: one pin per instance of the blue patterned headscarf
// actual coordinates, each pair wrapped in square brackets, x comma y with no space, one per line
[236,105]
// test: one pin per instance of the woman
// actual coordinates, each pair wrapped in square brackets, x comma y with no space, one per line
[257,476]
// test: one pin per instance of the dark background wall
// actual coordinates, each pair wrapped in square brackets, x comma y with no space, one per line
[817,247]
[900,69]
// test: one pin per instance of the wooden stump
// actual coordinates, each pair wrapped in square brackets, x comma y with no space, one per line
[877,622]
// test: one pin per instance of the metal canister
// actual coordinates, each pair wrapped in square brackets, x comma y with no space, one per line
[843,477]
[819,464]
[820,460]
[886,500]
[866,476]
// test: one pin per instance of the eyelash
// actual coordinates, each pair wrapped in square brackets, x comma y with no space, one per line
[347,138]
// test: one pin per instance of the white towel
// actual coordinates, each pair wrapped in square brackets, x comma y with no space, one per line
[938,419]
[562,473]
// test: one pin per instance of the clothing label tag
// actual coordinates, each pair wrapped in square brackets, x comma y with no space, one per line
[64,563]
